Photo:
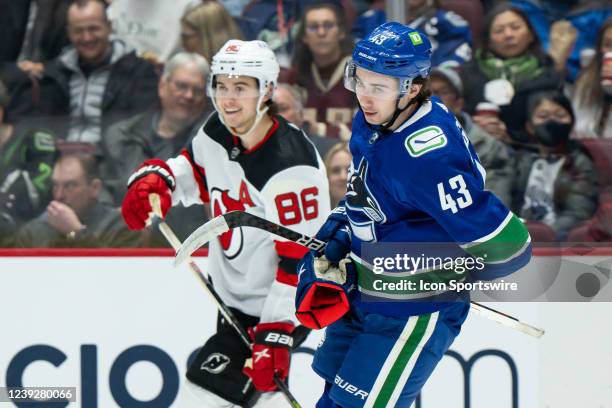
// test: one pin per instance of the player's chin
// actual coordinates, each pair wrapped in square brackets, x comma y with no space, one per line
[373,118]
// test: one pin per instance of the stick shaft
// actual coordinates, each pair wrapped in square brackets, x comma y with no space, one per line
[223,309]
[235,219]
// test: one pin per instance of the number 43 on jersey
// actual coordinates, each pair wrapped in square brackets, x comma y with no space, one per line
[458,185]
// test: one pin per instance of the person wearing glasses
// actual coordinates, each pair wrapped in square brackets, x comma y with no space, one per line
[77,216]
[95,82]
[322,48]
[162,131]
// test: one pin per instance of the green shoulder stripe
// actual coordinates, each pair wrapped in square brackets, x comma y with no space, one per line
[502,244]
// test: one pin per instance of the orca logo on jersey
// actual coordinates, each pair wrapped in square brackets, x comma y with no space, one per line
[359,197]
[222,202]
[215,363]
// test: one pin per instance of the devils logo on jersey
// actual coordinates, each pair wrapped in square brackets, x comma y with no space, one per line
[359,196]
[215,363]
[222,202]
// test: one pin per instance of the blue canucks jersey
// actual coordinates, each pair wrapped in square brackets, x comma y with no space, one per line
[424,183]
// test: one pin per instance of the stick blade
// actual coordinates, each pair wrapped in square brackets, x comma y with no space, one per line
[507,321]
[204,234]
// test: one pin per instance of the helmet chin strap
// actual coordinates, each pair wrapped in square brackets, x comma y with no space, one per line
[398,111]
[258,116]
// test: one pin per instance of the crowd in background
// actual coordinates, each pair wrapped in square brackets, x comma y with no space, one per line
[91,88]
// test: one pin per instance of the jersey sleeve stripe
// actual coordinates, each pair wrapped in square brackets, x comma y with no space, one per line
[289,254]
[508,240]
[283,276]
[290,249]
[198,174]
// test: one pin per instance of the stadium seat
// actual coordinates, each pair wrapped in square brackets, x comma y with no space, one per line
[540,232]
[472,12]
[601,152]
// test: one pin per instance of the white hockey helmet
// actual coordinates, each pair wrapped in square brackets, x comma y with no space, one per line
[245,58]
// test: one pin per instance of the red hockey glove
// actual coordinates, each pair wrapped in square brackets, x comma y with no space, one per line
[322,291]
[272,343]
[152,177]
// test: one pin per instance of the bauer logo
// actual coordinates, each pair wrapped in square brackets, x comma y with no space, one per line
[215,363]
[415,38]
[425,140]
[232,48]
[350,388]
[364,55]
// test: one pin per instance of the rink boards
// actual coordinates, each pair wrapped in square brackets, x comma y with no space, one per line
[122,328]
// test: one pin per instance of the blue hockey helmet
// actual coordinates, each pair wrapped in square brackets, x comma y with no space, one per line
[392,49]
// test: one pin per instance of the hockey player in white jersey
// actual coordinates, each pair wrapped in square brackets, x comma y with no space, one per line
[415,178]
[247,158]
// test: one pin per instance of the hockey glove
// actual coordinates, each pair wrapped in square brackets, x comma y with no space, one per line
[272,343]
[336,233]
[322,291]
[152,177]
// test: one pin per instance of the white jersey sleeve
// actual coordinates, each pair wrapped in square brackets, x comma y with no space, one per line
[190,175]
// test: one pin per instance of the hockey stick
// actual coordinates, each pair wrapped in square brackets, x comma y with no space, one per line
[234,219]
[175,242]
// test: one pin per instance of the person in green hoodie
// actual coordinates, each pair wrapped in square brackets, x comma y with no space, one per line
[27,153]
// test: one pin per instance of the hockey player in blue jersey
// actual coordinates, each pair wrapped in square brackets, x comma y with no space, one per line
[414,178]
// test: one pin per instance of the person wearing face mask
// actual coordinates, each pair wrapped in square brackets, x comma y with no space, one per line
[556,182]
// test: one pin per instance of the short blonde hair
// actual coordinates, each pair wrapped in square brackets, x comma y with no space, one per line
[214,25]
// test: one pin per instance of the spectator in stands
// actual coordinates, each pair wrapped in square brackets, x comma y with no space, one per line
[566,28]
[323,45]
[557,184]
[161,132]
[151,27]
[27,152]
[493,154]
[449,32]
[32,31]
[91,85]
[205,28]
[76,217]
[593,90]
[290,102]
[274,22]
[511,58]
[337,162]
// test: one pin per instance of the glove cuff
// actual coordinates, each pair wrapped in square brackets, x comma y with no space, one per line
[276,334]
[154,166]
[322,305]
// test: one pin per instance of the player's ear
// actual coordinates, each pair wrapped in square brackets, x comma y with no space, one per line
[269,92]
[414,90]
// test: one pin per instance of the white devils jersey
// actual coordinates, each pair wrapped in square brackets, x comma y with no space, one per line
[282,179]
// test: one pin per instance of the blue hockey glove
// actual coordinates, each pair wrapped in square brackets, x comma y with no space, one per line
[322,290]
[336,232]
